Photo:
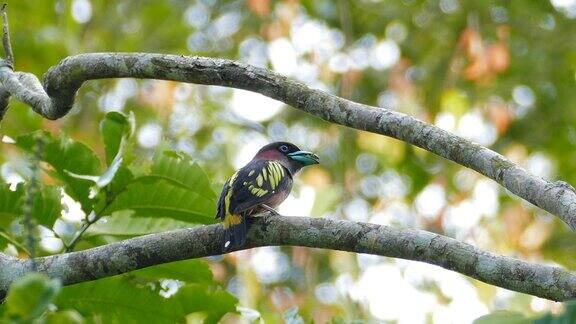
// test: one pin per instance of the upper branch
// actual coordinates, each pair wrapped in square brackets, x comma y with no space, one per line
[539,280]
[63,80]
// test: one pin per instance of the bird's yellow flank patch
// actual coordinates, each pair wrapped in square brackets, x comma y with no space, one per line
[232,220]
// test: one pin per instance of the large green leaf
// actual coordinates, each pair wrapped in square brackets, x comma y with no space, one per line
[46,209]
[190,271]
[503,317]
[116,130]
[149,197]
[10,204]
[508,317]
[119,299]
[566,317]
[68,316]
[65,154]
[115,127]
[47,206]
[124,224]
[213,302]
[179,169]
[30,296]
[122,178]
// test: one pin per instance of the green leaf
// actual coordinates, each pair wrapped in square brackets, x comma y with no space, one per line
[47,206]
[149,197]
[10,204]
[46,209]
[214,302]
[118,299]
[179,169]
[122,178]
[68,316]
[123,224]
[30,295]
[65,154]
[104,179]
[190,271]
[507,317]
[502,317]
[115,127]
[567,316]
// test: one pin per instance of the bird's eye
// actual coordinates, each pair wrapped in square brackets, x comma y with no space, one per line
[283,148]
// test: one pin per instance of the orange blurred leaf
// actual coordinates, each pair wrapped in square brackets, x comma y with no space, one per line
[260,8]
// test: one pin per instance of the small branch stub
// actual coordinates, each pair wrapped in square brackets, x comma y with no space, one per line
[9,56]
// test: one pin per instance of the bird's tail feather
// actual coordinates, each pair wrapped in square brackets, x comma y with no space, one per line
[235,235]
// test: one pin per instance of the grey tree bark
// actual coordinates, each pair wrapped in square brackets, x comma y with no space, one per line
[539,280]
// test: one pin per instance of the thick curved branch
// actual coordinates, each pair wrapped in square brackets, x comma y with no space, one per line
[63,80]
[539,280]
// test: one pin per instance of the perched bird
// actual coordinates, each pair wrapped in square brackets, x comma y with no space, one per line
[261,185]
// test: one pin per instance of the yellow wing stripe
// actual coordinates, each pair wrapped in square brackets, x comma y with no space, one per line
[273,175]
[258,192]
[229,194]
[276,171]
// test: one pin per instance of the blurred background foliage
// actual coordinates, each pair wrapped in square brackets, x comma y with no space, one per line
[501,73]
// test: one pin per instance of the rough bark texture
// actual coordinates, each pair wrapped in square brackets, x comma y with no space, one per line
[63,80]
[539,280]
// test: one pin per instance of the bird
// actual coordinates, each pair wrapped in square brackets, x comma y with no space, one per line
[259,186]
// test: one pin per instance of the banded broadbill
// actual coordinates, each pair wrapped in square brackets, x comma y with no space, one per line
[260,185]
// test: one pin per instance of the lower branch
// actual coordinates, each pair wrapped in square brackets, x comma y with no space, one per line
[539,280]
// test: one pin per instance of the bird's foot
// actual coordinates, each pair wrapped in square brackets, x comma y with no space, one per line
[271,210]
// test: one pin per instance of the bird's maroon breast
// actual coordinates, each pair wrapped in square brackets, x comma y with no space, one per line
[276,198]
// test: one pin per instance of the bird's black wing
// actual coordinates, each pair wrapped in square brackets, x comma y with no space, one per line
[221,207]
[259,182]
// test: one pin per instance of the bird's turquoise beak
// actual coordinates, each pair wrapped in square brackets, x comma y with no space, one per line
[304,157]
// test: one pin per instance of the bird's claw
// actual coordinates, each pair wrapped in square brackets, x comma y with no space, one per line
[271,210]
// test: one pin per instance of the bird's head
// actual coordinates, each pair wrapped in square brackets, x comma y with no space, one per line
[288,154]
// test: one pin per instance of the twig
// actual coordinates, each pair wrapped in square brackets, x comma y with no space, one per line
[12,241]
[87,222]
[58,236]
[85,225]
[31,193]
[9,58]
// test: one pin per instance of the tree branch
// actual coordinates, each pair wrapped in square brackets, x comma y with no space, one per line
[9,56]
[63,80]
[539,280]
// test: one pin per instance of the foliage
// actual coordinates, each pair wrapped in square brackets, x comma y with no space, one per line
[141,296]
[173,192]
[568,315]
[29,297]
